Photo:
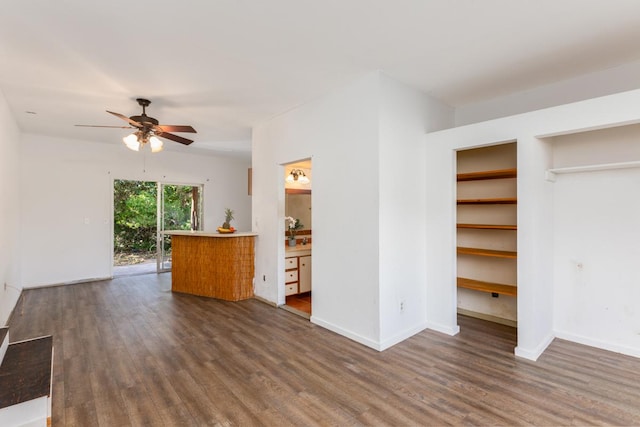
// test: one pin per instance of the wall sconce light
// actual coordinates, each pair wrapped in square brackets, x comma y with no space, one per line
[138,139]
[297,175]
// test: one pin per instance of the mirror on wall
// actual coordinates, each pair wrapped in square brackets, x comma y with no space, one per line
[298,205]
[298,193]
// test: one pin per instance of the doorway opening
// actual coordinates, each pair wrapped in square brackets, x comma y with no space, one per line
[142,211]
[487,233]
[298,239]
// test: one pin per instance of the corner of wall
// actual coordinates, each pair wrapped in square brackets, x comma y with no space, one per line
[10,278]
[533,353]
[8,304]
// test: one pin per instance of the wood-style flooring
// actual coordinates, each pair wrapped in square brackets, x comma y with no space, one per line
[129,352]
[300,302]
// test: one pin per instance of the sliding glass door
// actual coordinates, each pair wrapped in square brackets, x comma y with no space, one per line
[179,208]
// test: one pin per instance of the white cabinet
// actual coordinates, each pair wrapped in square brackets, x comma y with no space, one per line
[290,289]
[291,275]
[291,263]
[304,273]
[297,274]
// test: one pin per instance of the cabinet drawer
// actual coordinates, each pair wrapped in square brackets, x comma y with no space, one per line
[291,289]
[291,276]
[290,263]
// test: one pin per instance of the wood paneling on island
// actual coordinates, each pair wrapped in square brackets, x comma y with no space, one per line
[213,265]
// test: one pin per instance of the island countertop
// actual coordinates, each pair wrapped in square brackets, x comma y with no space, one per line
[208,233]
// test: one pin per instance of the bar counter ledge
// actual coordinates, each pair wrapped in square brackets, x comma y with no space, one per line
[212,264]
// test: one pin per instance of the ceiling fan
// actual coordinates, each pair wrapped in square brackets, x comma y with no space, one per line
[148,130]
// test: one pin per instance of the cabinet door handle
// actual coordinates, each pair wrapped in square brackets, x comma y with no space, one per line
[303,265]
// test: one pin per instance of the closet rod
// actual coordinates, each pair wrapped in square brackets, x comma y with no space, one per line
[551,173]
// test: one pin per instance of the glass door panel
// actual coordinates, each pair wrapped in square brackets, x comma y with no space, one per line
[179,208]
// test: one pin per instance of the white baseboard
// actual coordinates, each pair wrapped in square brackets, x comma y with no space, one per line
[71,282]
[533,354]
[376,345]
[402,336]
[445,329]
[346,333]
[604,345]
[265,301]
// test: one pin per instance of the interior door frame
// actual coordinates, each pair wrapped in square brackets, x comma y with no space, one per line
[282,194]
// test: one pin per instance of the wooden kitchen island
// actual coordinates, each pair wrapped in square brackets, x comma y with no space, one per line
[213,265]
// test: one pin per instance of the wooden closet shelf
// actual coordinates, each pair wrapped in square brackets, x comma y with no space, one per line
[478,285]
[492,174]
[489,226]
[491,201]
[487,252]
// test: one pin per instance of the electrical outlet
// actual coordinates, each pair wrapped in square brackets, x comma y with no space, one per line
[402,305]
[264,277]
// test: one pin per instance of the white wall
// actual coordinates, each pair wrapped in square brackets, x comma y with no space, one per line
[340,133]
[9,212]
[535,234]
[405,116]
[532,131]
[596,237]
[600,83]
[67,201]
[361,202]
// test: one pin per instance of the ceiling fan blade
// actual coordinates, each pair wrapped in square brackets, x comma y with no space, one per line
[99,126]
[175,138]
[177,128]
[127,119]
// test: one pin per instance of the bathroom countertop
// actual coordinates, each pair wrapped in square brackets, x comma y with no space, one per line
[298,250]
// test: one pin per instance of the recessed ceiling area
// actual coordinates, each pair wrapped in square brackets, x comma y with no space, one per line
[224,66]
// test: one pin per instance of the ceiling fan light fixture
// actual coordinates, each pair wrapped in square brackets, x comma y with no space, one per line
[132,142]
[156,144]
[148,130]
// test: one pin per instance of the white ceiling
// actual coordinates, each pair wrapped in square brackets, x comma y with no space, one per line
[225,65]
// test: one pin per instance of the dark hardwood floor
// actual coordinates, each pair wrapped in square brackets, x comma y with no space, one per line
[129,352]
